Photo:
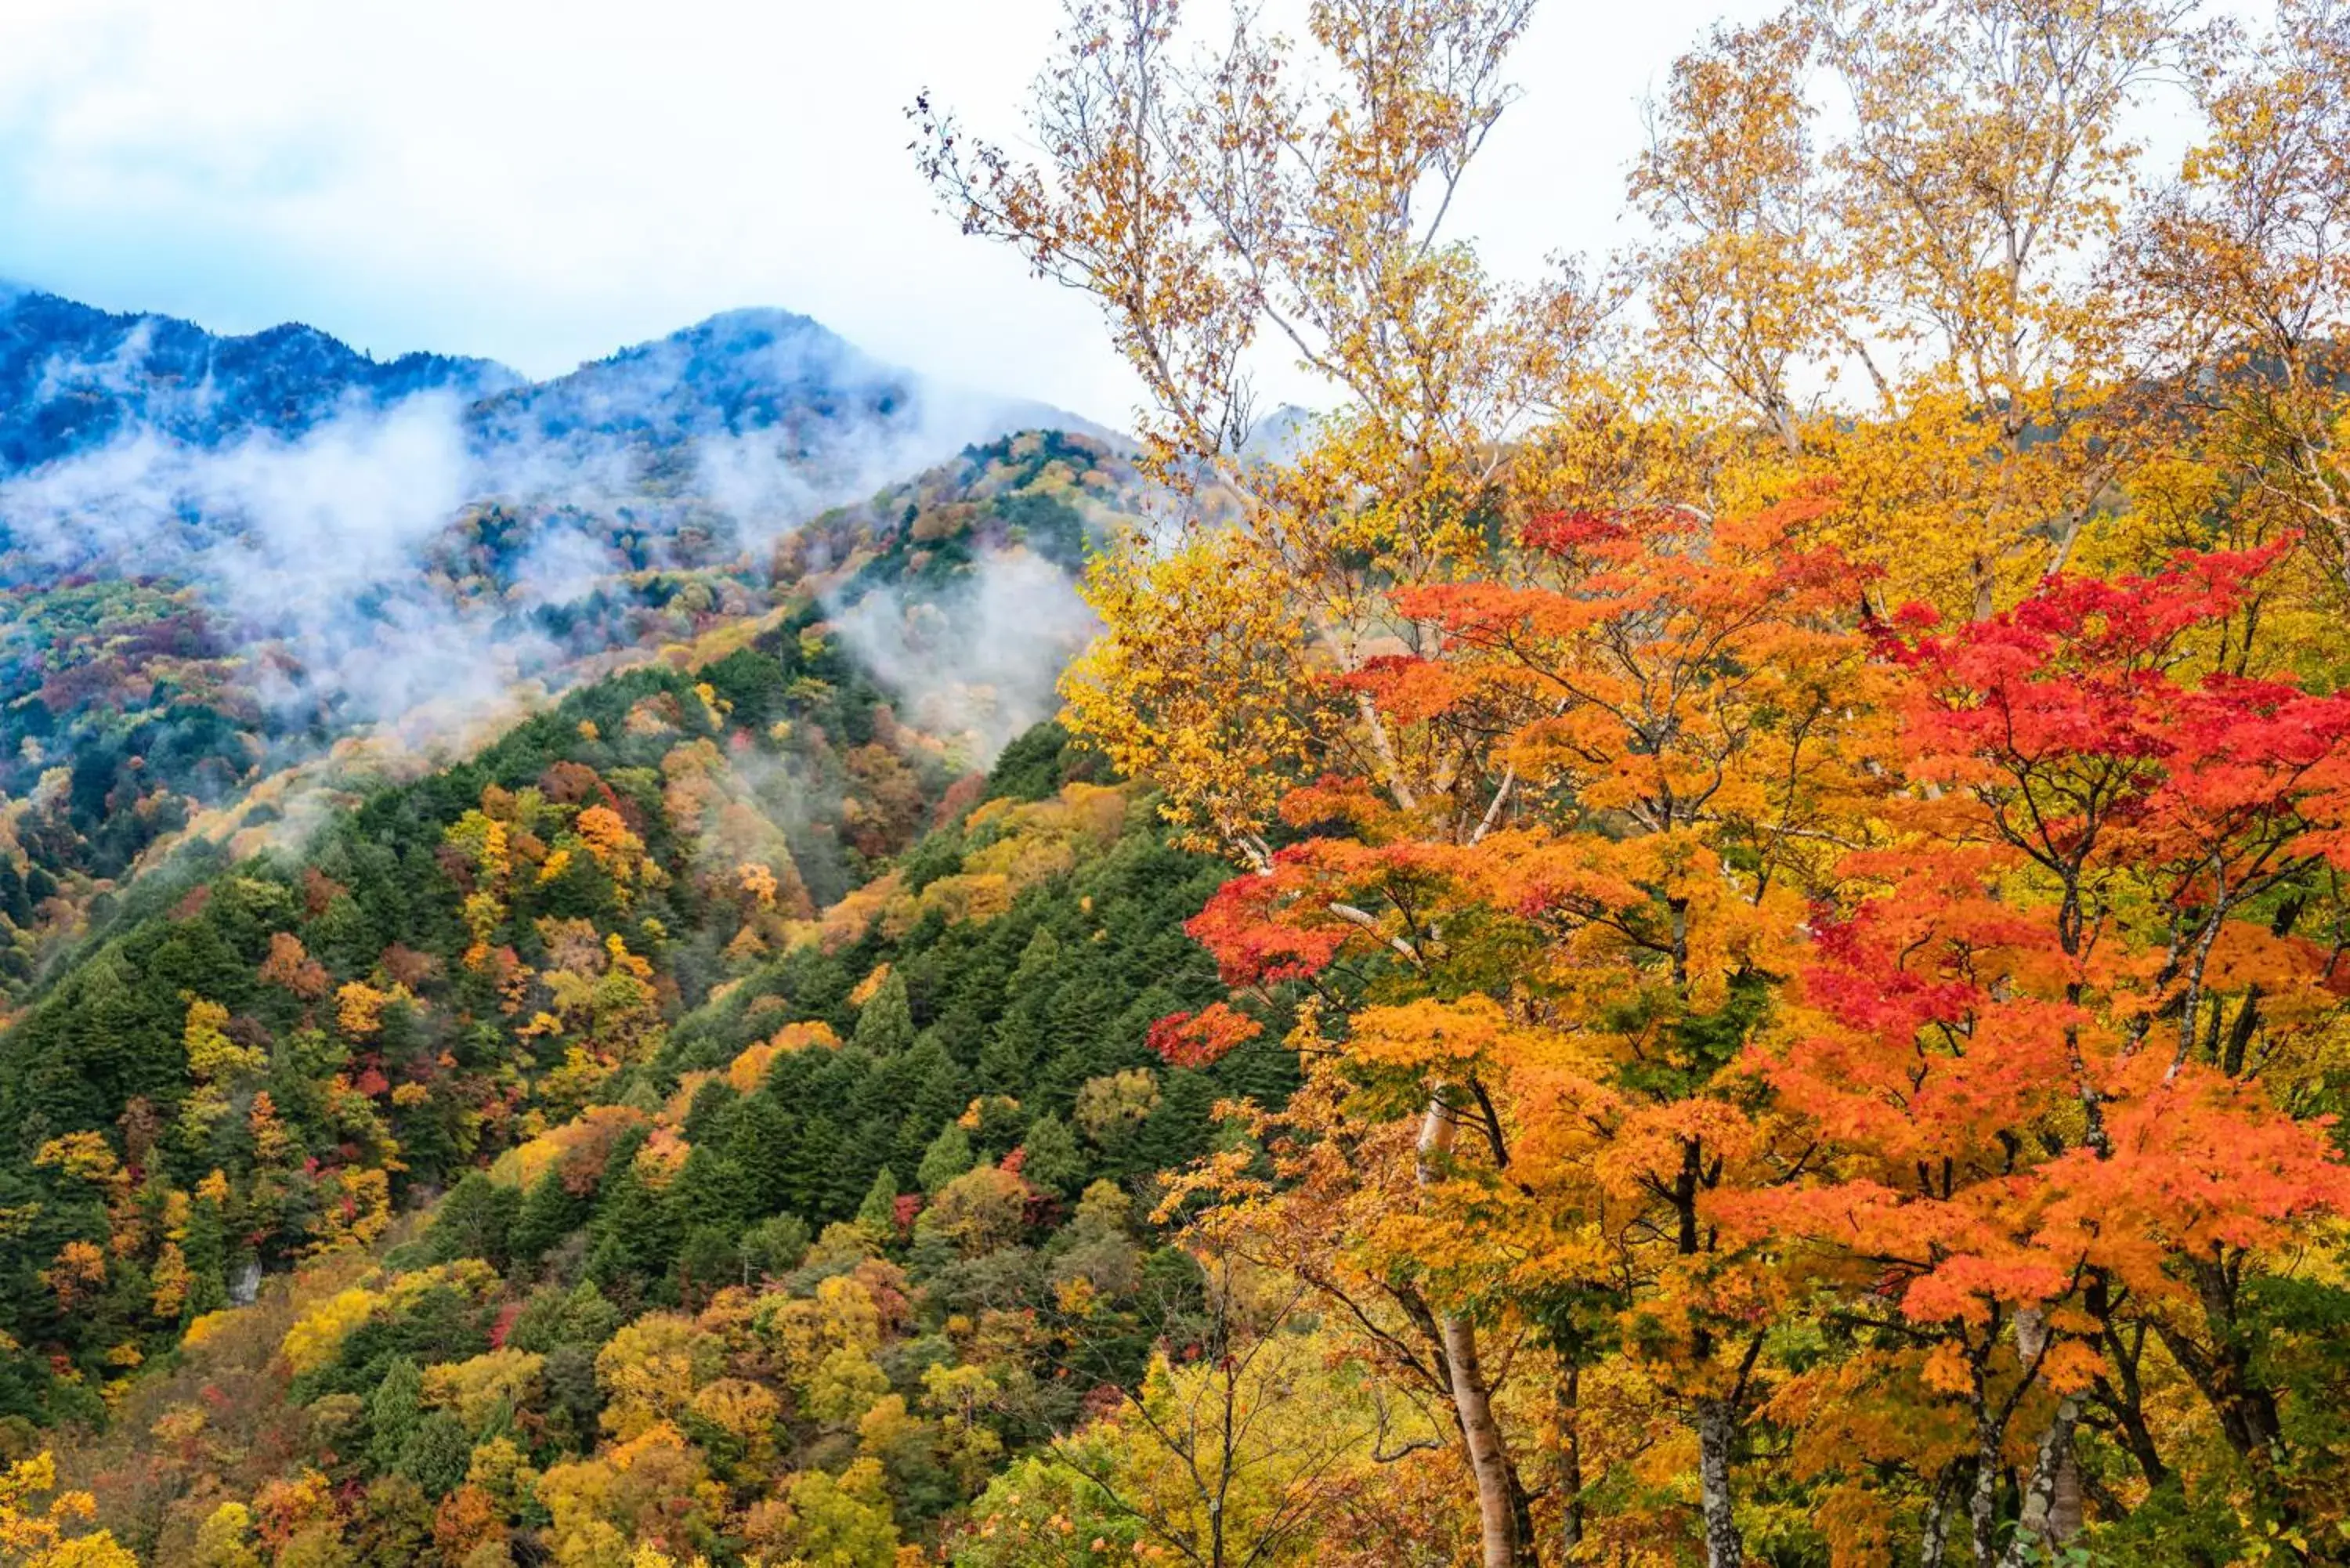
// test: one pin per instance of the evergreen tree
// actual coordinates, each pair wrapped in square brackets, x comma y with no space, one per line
[949,1156]
[636,1232]
[554,1316]
[758,1141]
[939,1095]
[711,1192]
[884,1025]
[1053,1161]
[878,1213]
[709,1260]
[1179,1128]
[474,1220]
[206,1248]
[549,1213]
[775,1246]
[436,1454]
[812,1170]
[706,1117]
[394,1412]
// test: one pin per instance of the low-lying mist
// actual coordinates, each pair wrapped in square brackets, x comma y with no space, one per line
[981,662]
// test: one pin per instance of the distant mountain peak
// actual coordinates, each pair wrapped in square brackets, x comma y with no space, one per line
[752,319]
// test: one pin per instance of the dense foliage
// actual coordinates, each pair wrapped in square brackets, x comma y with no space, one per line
[1794,786]
[803,1265]
[1707,925]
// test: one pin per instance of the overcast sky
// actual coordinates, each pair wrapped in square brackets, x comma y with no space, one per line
[542,183]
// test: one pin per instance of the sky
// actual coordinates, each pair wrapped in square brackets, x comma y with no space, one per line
[542,183]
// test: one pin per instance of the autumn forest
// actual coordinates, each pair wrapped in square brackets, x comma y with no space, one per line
[1704,923]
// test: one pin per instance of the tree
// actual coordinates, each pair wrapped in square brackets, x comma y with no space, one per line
[394,1410]
[34,1534]
[2243,284]
[840,1521]
[1977,196]
[1053,1161]
[2030,1124]
[878,1214]
[1230,1458]
[949,1156]
[885,1024]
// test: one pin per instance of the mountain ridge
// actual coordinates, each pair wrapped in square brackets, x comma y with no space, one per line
[60,358]
[76,376]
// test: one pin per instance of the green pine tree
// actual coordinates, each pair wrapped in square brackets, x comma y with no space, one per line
[884,1025]
[949,1156]
[437,1453]
[878,1213]
[550,1212]
[1054,1162]
[394,1412]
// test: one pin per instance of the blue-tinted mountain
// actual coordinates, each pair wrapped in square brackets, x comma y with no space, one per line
[716,436]
[74,377]
[734,374]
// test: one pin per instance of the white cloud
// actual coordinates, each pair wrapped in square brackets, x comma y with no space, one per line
[981,662]
[542,182]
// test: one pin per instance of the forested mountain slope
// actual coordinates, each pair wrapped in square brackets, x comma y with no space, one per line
[724,1008]
[915,1128]
[144,717]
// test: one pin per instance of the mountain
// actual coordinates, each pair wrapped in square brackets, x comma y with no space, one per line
[722,1093]
[73,378]
[231,558]
[736,374]
[143,445]
[712,1105]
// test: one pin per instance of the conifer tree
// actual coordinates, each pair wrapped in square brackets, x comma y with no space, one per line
[949,1156]
[1053,1161]
[884,1025]
[878,1214]
[394,1411]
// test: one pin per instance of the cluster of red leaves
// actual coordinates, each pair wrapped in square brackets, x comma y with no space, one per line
[903,1211]
[505,1323]
[1241,925]
[1198,1039]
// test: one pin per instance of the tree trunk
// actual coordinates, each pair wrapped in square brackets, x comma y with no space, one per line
[2041,1516]
[1934,1536]
[1570,1462]
[1983,1501]
[2070,1509]
[2224,1375]
[1497,1513]
[1506,1543]
[1717,1435]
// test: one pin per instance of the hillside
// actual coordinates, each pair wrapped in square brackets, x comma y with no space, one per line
[568,951]
[734,963]
[145,696]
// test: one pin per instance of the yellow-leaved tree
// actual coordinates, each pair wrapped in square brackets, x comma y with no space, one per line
[36,1518]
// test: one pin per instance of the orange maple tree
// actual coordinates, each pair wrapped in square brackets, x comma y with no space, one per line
[2022,1055]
